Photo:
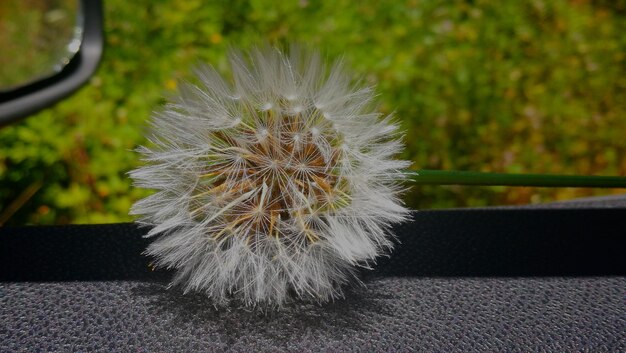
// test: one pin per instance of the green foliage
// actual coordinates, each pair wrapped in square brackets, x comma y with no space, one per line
[508,86]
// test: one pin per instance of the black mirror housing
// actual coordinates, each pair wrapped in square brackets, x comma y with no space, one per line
[31,98]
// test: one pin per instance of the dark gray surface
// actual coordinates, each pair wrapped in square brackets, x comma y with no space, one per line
[513,280]
[390,314]
[611,201]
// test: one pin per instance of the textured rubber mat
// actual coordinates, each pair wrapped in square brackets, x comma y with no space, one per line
[499,279]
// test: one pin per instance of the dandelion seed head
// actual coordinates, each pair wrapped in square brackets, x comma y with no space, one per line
[259,197]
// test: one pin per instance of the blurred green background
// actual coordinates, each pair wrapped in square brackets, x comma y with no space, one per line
[506,86]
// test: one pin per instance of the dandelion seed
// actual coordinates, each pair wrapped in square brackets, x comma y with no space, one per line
[275,202]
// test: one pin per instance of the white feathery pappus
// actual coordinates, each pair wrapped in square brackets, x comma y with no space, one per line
[273,187]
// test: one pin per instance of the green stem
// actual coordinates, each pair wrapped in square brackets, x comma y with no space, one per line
[452,177]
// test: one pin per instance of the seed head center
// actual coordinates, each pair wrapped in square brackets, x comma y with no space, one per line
[278,177]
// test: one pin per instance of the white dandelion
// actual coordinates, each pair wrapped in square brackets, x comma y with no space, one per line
[277,186]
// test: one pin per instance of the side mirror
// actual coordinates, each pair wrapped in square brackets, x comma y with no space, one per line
[50,63]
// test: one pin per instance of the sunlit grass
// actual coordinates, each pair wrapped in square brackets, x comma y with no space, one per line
[506,86]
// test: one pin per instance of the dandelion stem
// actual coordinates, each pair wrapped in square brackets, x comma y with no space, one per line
[453,177]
